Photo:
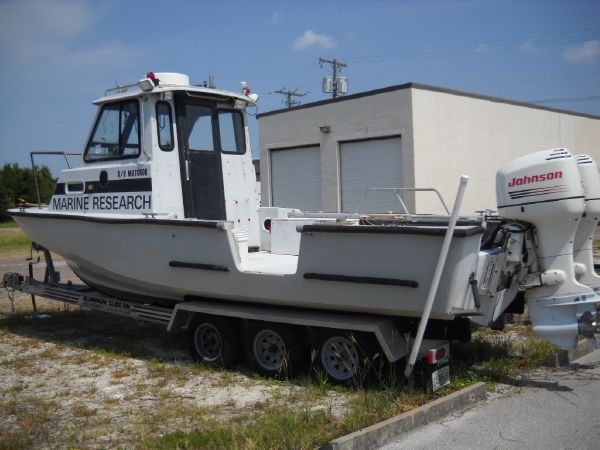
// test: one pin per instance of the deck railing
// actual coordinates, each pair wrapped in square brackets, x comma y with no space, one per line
[34,170]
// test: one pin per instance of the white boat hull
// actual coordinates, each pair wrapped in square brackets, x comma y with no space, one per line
[369,269]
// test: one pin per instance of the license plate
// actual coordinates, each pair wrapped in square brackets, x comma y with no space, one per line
[440,377]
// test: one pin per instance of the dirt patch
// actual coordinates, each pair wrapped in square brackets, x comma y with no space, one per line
[88,379]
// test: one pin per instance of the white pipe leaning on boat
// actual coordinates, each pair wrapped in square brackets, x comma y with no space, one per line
[437,274]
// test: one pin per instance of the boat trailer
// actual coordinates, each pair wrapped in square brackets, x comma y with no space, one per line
[177,318]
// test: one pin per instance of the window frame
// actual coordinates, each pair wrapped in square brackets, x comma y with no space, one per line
[120,143]
[243,130]
[216,144]
[165,148]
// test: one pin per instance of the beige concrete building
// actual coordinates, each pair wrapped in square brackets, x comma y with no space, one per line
[326,155]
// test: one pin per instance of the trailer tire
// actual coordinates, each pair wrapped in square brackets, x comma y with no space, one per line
[345,357]
[276,350]
[214,341]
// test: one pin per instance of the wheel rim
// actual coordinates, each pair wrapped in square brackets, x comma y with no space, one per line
[269,350]
[339,357]
[208,342]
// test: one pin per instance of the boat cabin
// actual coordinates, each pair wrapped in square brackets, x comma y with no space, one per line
[165,149]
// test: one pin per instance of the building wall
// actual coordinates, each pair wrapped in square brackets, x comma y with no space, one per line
[367,117]
[455,135]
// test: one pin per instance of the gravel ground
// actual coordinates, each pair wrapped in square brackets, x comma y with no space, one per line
[88,379]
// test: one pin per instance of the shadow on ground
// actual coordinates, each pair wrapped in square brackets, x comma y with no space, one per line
[93,330]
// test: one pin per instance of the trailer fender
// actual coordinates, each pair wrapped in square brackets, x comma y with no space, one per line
[391,340]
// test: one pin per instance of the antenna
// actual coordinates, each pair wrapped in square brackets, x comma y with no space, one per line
[334,85]
[289,101]
[210,83]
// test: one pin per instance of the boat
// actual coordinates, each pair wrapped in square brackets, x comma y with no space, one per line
[164,210]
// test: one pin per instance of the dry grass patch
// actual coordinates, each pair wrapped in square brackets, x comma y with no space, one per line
[25,421]
[83,411]
[123,373]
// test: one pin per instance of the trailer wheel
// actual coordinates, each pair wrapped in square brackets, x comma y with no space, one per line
[275,350]
[345,358]
[214,341]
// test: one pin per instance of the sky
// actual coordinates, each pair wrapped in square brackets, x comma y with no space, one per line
[56,56]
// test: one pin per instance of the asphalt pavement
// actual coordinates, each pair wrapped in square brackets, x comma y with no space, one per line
[551,409]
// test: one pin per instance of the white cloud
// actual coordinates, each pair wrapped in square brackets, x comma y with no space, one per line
[55,17]
[310,38]
[53,32]
[588,52]
[482,48]
[30,24]
[277,17]
[528,46]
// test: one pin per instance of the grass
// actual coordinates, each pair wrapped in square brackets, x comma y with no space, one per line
[284,426]
[496,357]
[13,241]
[104,334]
[83,411]
[33,419]
[8,224]
[277,427]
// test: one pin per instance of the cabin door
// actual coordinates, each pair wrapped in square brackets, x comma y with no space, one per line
[201,173]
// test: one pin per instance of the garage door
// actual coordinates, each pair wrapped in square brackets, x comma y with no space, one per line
[296,178]
[370,164]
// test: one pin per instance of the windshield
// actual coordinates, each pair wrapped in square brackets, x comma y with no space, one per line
[116,132]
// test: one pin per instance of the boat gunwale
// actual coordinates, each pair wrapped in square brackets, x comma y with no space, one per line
[472,230]
[217,224]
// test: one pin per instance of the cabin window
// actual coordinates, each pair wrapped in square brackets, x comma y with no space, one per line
[116,133]
[231,128]
[164,124]
[199,128]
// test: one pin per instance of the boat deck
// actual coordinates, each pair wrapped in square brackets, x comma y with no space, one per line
[265,262]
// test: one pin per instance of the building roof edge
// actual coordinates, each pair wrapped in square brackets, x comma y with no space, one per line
[426,87]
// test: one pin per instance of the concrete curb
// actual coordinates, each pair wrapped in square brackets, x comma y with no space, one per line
[564,357]
[382,432]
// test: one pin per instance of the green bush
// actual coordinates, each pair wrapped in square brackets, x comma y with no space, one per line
[17,182]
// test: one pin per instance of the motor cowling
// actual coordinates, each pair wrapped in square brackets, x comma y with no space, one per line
[545,190]
[583,246]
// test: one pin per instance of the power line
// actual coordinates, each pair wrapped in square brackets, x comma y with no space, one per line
[539,40]
[573,99]
[535,80]
[309,76]
[289,101]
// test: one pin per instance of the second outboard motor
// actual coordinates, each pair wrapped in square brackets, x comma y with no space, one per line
[545,190]
[583,247]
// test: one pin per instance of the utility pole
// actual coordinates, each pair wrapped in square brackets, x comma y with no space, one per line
[289,102]
[335,63]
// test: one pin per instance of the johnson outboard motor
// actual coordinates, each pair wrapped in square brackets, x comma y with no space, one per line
[545,189]
[583,247]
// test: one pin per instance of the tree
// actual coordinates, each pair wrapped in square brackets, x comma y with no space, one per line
[17,182]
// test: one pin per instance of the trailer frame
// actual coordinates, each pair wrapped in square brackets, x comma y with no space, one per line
[394,344]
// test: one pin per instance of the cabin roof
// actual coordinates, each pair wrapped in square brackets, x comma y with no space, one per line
[133,91]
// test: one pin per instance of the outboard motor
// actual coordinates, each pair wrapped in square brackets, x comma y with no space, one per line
[545,190]
[583,247]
